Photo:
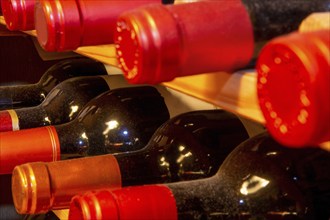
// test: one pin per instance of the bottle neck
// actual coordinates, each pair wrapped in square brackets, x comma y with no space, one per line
[69,69]
[130,165]
[67,99]
[73,139]
[32,117]
[23,118]
[204,198]
[20,96]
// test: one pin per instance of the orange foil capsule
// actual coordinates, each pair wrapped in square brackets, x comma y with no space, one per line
[293,87]
[36,194]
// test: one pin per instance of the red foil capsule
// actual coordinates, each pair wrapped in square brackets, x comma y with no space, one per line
[43,145]
[293,87]
[115,204]
[18,14]
[157,43]
[8,121]
[66,25]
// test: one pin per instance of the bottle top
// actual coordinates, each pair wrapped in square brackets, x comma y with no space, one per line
[52,31]
[117,205]
[38,186]
[293,87]
[27,177]
[156,43]
[18,14]
[67,25]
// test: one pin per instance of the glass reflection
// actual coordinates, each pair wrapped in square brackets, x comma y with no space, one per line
[253,184]
[110,125]
[46,119]
[74,109]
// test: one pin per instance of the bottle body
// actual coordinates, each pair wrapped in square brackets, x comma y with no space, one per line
[171,45]
[295,66]
[259,179]
[82,23]
[21,96]
[61,105]
[189,146]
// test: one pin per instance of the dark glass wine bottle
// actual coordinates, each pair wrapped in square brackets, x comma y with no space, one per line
[189,146]
[61,105]
[34,94]
[156,43]
[67,25]
[260,179]
[296,66]
[118,120]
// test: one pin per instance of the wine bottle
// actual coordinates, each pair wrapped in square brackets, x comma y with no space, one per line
[34,94]
[118,120]
[61,105]
[293,87]
[156,43]
[18,14]
[260,179]
[188,146]
[68,25]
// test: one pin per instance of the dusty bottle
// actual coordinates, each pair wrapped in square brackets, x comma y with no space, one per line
[293,87]
[260,179]
[61,105]
[157,43]
[189,146]
[18,14]
[118,120]
[34,94]
[67,25]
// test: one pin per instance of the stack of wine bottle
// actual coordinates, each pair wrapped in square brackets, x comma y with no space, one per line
[110,150]
[103,145]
